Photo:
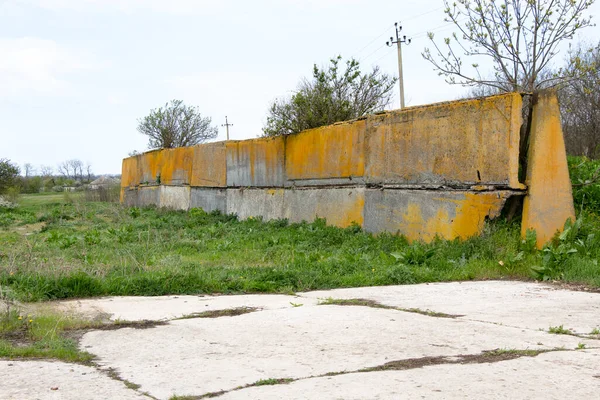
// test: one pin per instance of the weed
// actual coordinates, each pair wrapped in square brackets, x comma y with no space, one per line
[580,346]
[559,330]
[595,331]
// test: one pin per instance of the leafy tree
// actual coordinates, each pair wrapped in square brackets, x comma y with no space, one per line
[519,37]
[330,96]
[9,174]
[176,125]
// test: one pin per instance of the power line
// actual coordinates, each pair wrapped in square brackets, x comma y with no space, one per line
[387,29]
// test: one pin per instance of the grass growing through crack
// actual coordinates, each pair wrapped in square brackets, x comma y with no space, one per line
[559,330]
[375,304]
[56,248]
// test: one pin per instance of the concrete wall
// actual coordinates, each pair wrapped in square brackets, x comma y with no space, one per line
[437,170]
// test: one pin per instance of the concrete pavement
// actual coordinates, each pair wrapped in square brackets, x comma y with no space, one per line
[446,340]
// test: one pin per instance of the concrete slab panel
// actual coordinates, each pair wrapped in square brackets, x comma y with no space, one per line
[129,173]
[209,165]
[549,200]
[265,203]
[208,199]
[425,214]
[175,197]
[334,151]
[53,380]
[468,142]
[148,196]
[136,308]
[176,166]
[129,197]
[256,162]
[195,356]
[340,206]
[526,305]
[557,376]
[149,165]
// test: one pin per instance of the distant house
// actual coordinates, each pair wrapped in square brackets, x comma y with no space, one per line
[104,182]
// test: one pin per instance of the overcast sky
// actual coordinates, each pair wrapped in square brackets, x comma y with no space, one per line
[75,75]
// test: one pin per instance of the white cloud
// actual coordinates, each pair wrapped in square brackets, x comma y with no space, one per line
[38,66]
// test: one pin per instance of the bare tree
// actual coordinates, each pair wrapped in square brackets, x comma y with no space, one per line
[580,101]
[71,169]
[29,170]
[46,171]
[176,125]
[64,168]
[88,169]
[518,37]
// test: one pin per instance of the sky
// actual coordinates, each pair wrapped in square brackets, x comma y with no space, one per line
[76,75]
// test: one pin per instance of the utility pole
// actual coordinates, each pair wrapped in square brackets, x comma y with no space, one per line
[399,42]
[227,125]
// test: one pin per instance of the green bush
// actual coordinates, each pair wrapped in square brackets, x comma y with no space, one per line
[585,177]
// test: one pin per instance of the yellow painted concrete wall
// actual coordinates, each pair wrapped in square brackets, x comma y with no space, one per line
[257,162]
[334,151]
[463,142]
[209,165]
[471,146]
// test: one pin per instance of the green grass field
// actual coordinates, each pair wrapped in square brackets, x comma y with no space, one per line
[60,246]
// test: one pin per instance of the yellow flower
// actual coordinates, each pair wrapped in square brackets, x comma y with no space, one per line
[373,269]
[30,320]
[20,317]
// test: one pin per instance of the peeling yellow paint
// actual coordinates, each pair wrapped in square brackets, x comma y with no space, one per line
[334,151]
[470,141]
[549,200]
[209,165]
[452,219]
[343,214]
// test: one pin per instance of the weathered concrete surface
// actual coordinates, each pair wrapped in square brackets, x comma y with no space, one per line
[129,196]
[560,375]
[176,166]
[266,203]
[520,304]
[340,206]
[175,197]
[208,199]
[296,338]
[148,196]
[549,201]
[463,142]
[47,380]
[425,214]
[256,163]
[129,172]
[209,165]
[334,151]
[131,308]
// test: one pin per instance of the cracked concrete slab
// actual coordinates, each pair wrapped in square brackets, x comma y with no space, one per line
[297,338]
[522,304]
[556,375]
[50,380]
[197,356]
[132,308]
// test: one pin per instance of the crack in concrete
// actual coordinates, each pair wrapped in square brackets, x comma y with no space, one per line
[375,304]
[228,312]
[487,356]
